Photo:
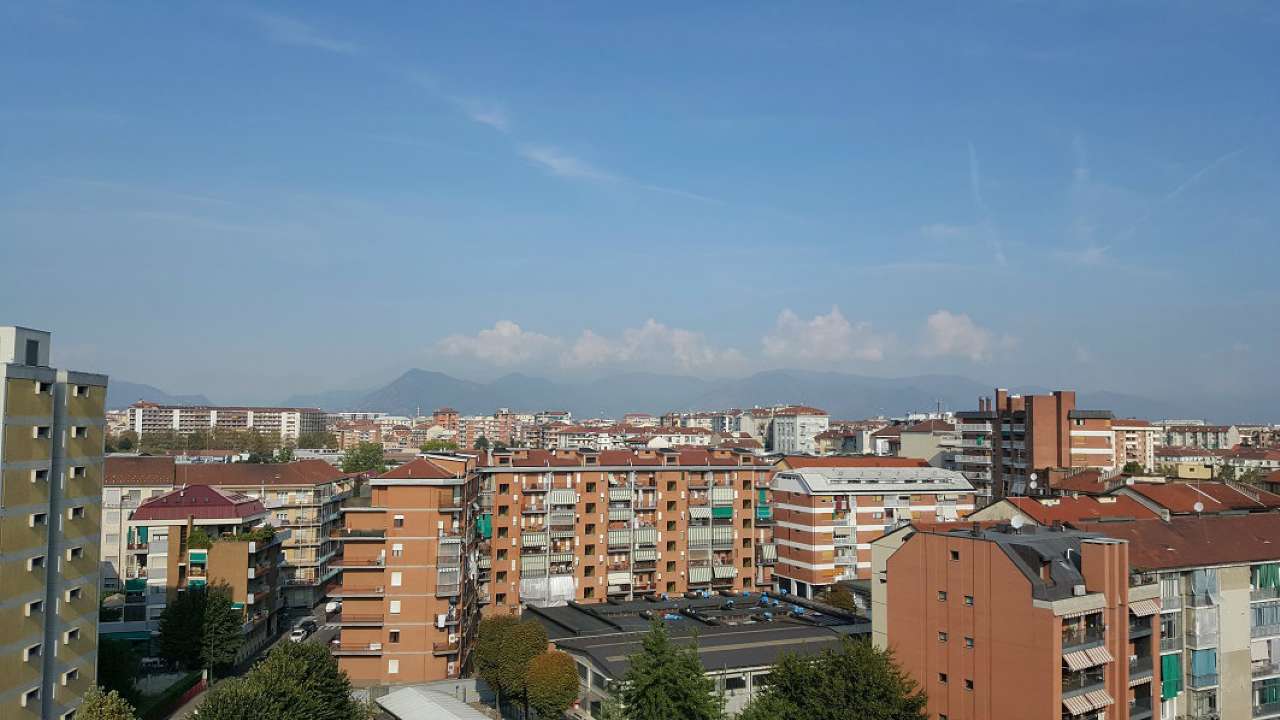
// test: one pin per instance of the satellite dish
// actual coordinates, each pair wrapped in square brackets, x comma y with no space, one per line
[1033,477]
[1198,507]
[1017,522]
[1032,485]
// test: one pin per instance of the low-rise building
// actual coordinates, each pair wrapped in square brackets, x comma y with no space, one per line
[933,441]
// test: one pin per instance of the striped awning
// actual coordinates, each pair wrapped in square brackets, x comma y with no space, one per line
[700,513]
[700,574]
[1099,655]
[768,551]
[725,571]
[1099,699]
[1080,613]
[1078,660]
[562,496]
[1145,608]
[1077,705]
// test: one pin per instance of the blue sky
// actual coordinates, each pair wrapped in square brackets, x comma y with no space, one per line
[251,201]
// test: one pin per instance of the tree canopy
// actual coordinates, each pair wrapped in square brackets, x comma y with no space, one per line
[296,680]
[504,651]
[365,457]
[838,596]
[857,681]
[668,681]
[200,629]
[438,446]
[118,666]
[98,705]
[552,683]
[317,440]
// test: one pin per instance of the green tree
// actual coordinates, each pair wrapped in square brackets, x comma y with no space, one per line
[317,440]
[284,454]
[98,705]
[524,642]
[1227,473]
[235,699]
[118,666]
[365,457]
[610,709]
[666,681]
[490,651]
[199,539]
[182,627]
[838,596]
[856,681]
[553,684]
[1133,467]
[222,635]
[482,443]
[296,680]
[438,446]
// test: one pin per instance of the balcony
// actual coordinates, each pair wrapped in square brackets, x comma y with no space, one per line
[357,649]
[1140,708]
[1170,643]
[353,534]
[1207,680]
[1266,710]
[366,592]
[444,648]
[1076,637]
[1139,628]
[1260,631]
[1255,594]
[1265,668]
[359,563]
[359,620]
[1139,669]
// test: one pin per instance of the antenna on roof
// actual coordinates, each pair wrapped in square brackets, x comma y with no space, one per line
[1017,521]
[1198,507]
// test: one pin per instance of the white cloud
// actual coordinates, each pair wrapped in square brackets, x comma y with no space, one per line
[490,114]
[825,338]
[291,31]
[561,164]
[947,333]
[506,343]
[653,345]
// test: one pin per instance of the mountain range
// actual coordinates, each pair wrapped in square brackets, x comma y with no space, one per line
[121,394]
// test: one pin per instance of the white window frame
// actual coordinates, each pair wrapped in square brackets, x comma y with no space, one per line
[397,579]
[394,607]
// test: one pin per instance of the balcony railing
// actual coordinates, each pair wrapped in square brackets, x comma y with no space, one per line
[1139,668]
[1206,680]
[358,649]
[358,534]
[1077,636]
[444,648]
[1170,643]
[1266,710]
[1140,708]
[1264,630]
[1265,668]
[355,619]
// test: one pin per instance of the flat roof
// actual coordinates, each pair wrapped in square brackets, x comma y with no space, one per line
[418,703]
[833,480]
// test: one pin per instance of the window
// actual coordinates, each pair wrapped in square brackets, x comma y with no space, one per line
[43,387]
[397,579]
[36,519]
[31,695]
[393,636]
[70,676]
[75,553]
[78,471]
[942,596]
[968,600]
[39,476]
[71,636]
[398,521]
[75,513]
[79,431]
[35,606]
[80,391]
[31,653]
[968,642]
[40,432]
[955,554]
[35,562]
[33,358]
[942,678]
[74,593]
[395,607]
[968,684]
[397,550]
[942,636]
[393,667]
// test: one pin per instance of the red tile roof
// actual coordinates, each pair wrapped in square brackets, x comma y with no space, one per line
[1129,422]
[1180,498]
[890,431]
[163,471]
[1081,508]
[929,426]
[200,502]
[1191,541]
[418,469]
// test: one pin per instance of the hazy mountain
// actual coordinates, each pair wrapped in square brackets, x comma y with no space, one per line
[327,400]
[122,394]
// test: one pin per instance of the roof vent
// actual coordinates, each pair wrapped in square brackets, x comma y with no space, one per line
[1078,591]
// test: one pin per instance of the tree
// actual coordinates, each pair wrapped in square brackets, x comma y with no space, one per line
[182,627]
[284,454]
[118,666]
[317,440]
[482,443]
[1227,473]
[199,539]
[524,642]
[553,684]
[365,457]
[98,705]
[856,681]
[222,637]
[1133,467]
[666,681]
[438,446]
[838,596]
[296,680]
[490,649]
[610,709]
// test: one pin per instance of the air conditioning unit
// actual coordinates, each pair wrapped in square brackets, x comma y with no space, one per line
[440,620]
[1078,591]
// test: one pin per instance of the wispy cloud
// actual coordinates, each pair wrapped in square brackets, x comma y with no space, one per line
[1182,187]
[292,31]
[562,164]
[985,223]
[491,114]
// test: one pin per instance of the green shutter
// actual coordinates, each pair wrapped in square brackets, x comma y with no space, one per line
[1170,676]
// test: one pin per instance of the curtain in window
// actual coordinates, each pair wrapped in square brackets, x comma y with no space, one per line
[1204,584]
[1267,692]
[1266,614]
[1170,586]
[1266,576]
[1170,676]
[1204,662]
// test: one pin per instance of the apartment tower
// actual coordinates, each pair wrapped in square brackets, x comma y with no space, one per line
[51,441]
[1043,432]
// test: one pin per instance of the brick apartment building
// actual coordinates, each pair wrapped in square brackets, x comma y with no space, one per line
[827,511]
[409,607]
[1135,441]
[584,525]
[51,440]
[1042,432]
[974,455]
[285,423]
[1034,624]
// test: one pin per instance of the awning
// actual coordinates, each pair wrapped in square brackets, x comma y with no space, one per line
[725,571]
[1099,699]
[1081,613]
[562,496]
[1077,705]
[1145,608]
[1077,660]
[1099,655]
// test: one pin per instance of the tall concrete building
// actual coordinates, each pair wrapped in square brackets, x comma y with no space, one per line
[51,441]
[285,423]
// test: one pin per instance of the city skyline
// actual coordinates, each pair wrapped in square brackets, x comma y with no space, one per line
[245,199]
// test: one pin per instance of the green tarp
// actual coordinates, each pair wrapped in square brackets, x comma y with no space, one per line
[1170,676]
[764,513]
[485,525]
[135,585]
[722,511]
[1266,576]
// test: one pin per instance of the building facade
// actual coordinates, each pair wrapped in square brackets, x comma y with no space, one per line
[1208,437]
[285,423]
[51,449]
[975,454]
[1043,432]
[409,604]
[826,517]
[1135,442]
[796,428]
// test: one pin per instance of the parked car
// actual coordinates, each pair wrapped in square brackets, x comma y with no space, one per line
[298,635]
[309,625]
[333,606]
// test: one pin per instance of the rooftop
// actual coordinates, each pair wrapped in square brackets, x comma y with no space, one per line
[1030,547]
[1089,414]
[1180,498]
[129,471]
[834,480]
[1047,511]
[1196,541]
[795,462]
[201,502]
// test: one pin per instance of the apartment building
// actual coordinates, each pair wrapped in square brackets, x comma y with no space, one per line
[409,604]
[583,525]
[1219,633]
[51,441]
[1042,432]
[1051,511]
[974,454]
[1135,442]
[795,428]
[1032,623]
[285,423]
[930,440]
[825,517]
[200,535]
[1209,437]
[304,497]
